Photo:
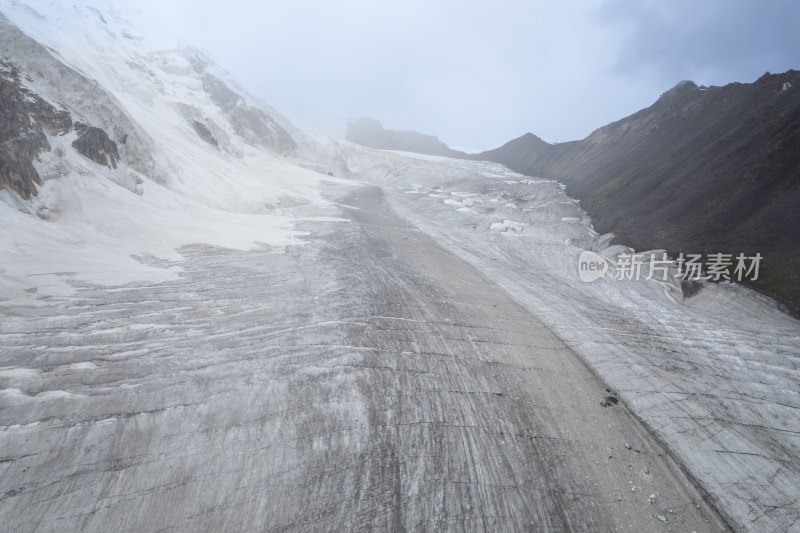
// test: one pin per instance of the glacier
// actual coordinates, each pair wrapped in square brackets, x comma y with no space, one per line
[238,338]
[713,375]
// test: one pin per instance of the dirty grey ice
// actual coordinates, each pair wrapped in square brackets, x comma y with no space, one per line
[369,380]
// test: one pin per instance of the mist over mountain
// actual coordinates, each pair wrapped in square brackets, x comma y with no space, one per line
[370,132]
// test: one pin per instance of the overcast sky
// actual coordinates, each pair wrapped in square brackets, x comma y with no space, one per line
[478,74]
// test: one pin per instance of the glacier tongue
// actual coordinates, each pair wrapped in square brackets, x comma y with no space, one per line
[366,380]
[714,375]
[381,382]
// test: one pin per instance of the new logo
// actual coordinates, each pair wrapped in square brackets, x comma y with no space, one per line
[591,266]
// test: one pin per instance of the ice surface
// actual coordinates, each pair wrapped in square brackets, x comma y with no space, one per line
[715,375]
[365,380]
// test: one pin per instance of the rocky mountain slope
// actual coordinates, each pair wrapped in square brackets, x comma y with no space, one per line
[112,148]
[369,132]
[24,117]
[703,170]
[44,98]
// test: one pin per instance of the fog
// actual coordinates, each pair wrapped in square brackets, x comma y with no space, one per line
[479,74]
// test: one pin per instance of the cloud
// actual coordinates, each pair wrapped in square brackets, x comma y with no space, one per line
[714,41]
[478,73]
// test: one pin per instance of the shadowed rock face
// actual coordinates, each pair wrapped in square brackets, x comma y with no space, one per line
[220,93]
[258,128]
[369,132]
[24,119]
[95,144]
[83,97]
[252,124]
[204,133]
[702,170]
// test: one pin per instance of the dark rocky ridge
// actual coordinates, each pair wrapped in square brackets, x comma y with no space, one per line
[702,170]
[24,119]
[370,132]
[85,99]
[95,144]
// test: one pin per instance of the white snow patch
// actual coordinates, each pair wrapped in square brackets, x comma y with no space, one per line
[18,372]
[87,365]
[17,394]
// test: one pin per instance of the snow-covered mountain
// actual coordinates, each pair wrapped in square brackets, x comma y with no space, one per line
[98,129]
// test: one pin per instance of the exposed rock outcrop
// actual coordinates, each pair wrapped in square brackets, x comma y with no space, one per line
[369,132]
[220,93]
[204,133]
[84,98]
[95,144]
[251,123]
[258,128]
[24,119]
